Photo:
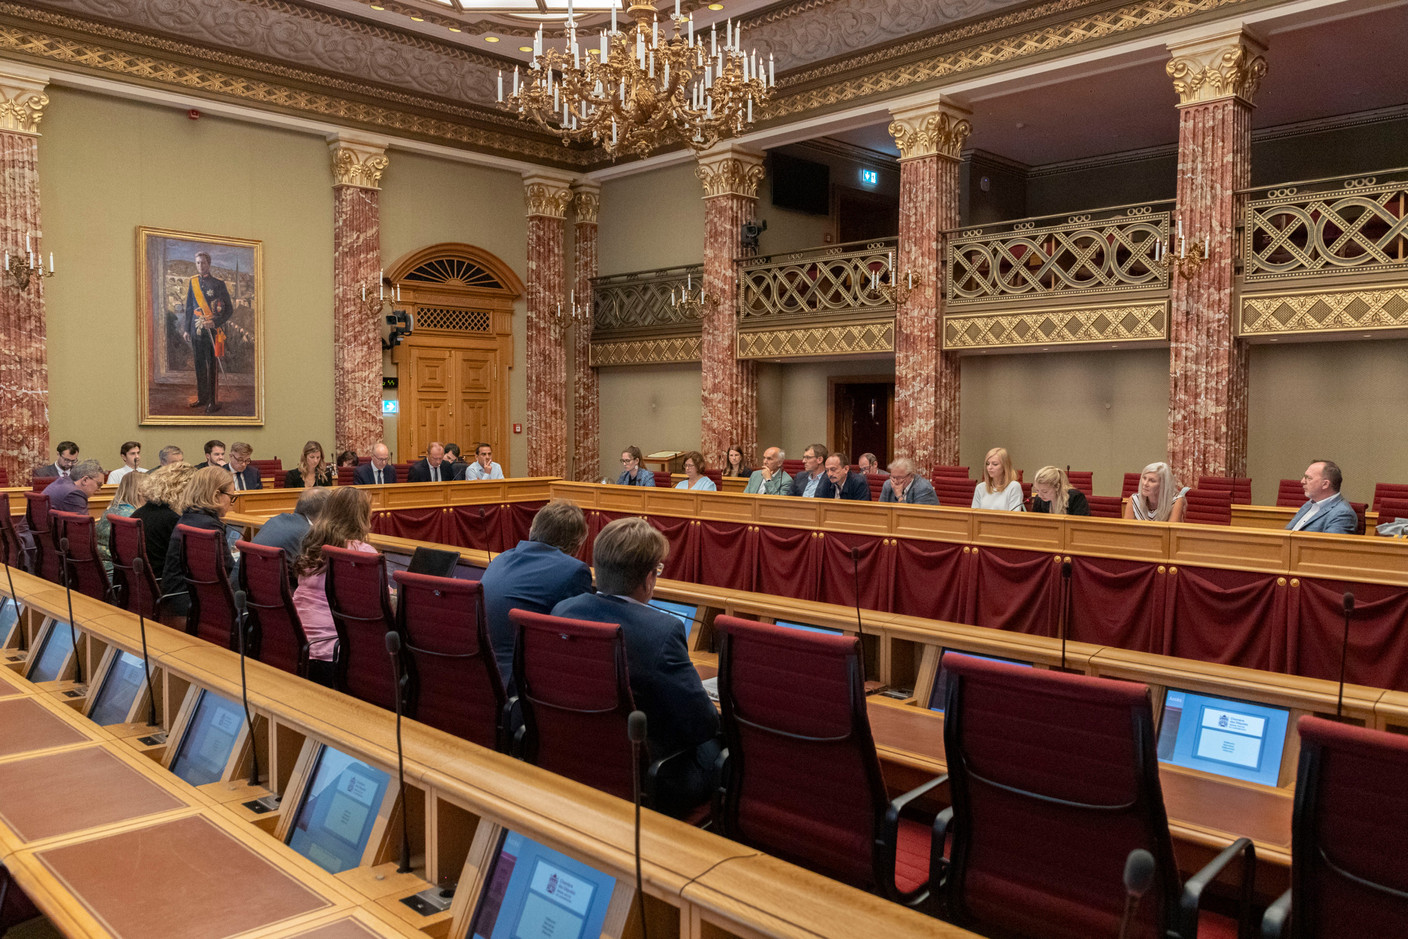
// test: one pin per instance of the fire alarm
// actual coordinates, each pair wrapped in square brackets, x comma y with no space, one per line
[518,428]
[193,114]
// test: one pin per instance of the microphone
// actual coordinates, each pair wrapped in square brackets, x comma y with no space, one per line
[635,730]
[1344,649]
[139,565]
[1138,875]
[871,687]
[241,610]
[68,595]
[393,649]
[1063,623]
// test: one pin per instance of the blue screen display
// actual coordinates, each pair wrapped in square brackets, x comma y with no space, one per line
[534,892]
[124,679]
[48,662]
[204,750]
[680,611]
[1223,736]
[339,809]
[9,616]
[940,693]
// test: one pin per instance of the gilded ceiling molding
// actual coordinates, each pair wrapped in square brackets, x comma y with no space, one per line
[586,202]
[22,98]
[546,195]
[357,161]
[1227,66]
[730,170]
[937,129]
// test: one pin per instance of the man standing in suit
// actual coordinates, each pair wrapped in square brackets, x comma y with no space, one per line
[535,575]
[378,470]
[629,554]
[904,486]
[71,493]
[246,475]
[483,466]
[844,483]
[771,480]
[432,469]
[214,454]
[812,480]
[68,455]
[1325,509]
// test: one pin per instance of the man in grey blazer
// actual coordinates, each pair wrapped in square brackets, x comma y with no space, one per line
[904,486]
[772,479]
[1325,509]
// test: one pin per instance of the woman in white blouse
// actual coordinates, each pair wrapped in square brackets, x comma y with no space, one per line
[694,477]
[1160,497]
[998,488]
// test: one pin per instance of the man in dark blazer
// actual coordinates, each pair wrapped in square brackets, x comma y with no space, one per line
[433,468]
[904,486]
[214,454]
[377,470]
[1325,509]
[68,455]
[286,530]
[628,555]
[536,575]
[813,472]
[844,484]
[246,473]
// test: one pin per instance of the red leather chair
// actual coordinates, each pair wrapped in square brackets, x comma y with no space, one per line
[205,563]
[86,573]
[1361,510]
[40,483]
[271,472]
[459,689]
[346,475]
[954,492]
[1209,507]
[46,560]
[1131,484]
[1290,494]
[360,602]
[1084,480]
[137,594]
[1349,873]
[802,780]
[1105,506]
[1054,780]
[1390,509]
[274,632]
[792,467]
[1384,491]
[939,470]
[11,550]
[4,477]
[1239,486]
[877,485]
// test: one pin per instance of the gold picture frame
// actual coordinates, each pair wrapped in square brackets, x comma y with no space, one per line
[200,352]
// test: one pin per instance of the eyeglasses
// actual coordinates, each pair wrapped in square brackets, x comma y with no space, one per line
[628,459]
[659,568]
[227,494]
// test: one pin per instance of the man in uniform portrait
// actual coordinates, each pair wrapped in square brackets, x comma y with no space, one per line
[208,308]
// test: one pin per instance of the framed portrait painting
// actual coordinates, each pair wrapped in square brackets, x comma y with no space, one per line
[201,328]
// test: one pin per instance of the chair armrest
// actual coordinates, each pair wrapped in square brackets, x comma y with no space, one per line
[887,840]
[647,792]
[1278,914]
[511,726]
[1194,886]
[938,863]
[900,802]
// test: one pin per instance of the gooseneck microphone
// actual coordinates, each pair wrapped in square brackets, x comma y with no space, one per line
[635,729]
[871,687]
[139,565]
[1138,875]
[68,595]
[241,610]
[393,649]
[1063,620]
[1344,649]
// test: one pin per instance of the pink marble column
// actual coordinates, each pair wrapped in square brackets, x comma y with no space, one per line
[357,368]
[729,387]
[24,368]
[1215,79]
[547,198]
[586,424]
[930,139]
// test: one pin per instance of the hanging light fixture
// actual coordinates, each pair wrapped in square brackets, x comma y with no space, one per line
[647,85]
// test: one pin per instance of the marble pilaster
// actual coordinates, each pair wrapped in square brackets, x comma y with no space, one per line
[586,414]
[357,165]
[930,139]
[24,368]
[729,386]
[546,198]
[1216,79]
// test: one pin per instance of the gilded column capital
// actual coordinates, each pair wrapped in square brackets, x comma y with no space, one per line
[357,161]
[546,195]
[931,130]
[730,170]
[22,98]
[1227,66]
[586,202]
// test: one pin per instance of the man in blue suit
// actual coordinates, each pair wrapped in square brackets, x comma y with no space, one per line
[246,474]
[1325,509]
[536,575]
[904,486]
[377,470]
[629,555]
[844,483]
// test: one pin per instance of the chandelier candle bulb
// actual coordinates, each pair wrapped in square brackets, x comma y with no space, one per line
[772,78]
[501,86]
[654,31]
[613,17]
[691,29]
[713,40]
[603,50]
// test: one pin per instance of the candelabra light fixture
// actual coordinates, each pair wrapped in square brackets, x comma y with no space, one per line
[19,269]
[1187,260]
[642,86]
[894,289]
[372,305]
[563,318]
[693,305]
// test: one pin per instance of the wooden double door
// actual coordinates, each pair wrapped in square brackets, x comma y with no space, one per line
[453,389]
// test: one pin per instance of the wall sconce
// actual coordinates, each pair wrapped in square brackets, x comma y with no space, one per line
[18,270]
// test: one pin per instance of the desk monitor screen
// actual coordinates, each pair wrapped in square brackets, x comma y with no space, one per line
[49,658]
[118,691]
[205,747]
[534,892]
[683,612]
[939,695]
[9,616]
[340,806]
[806,628]
[1223,736]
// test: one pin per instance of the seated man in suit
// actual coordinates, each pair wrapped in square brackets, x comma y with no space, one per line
[377,470]
[535,575]
[246,474]
[869,465]
[904,486]
[483,466]
[812,480]
[169,455]
[214,454]
[453,461]
[286,530]
[432,469]
[1325,509]
[71,493]
[68,455]
[771,480]
[629,555]
[844,483]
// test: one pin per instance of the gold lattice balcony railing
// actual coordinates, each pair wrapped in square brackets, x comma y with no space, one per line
[641,301]
[828,279]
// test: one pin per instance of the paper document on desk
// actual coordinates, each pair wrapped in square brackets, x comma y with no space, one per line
[711,688]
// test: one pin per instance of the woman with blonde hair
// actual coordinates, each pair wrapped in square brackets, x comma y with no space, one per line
[345,522]
[1052,493]
[1159,497]
[694,477]
[161,508]
[312,469]
[998,489]
[126,500]
[207,499]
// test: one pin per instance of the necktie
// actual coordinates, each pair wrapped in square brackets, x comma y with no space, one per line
[378,477]
[239,482]
[435,474]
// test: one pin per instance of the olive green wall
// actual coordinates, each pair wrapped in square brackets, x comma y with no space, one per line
[654,407]
[651,220]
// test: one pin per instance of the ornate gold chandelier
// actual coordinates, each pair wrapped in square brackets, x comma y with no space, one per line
[643,86]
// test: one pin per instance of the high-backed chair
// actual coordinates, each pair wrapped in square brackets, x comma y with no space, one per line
[459,688]
[877,486]
[792,467]
[1290,494]
[360,602]
[1361,511]
[1105,506]
[1209,507]
[1054,780]
[1131,484]
[271,472]
[940,470]
[954,492]
[11,550]
[86,573]
[1084,480]
[274,633]
[1391,509]
[1239,486]
[1384,491]
[205,564]
[127,540]
[46,560]
[1349,873]
[802,780]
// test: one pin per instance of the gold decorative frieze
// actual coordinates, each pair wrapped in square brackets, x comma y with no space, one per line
[1330,311]
[666,351]
[546,195]
[1351,225]
[728,170]
[1225,66]
[1134,322]
[357,162]
[933,130]
[848,339]
[22,99]
[586,202]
